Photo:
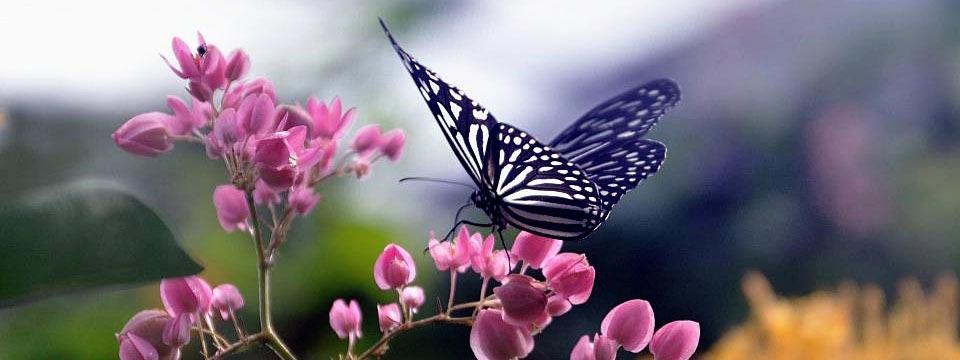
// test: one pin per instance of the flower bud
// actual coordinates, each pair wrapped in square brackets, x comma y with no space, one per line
[177,331]
[522,302]
[367,140]
[186,295]
[583,350]
[361,166]
[392,144]
[534,249]
[570,276]
[133,347]
[345,320]
[493,339]
[604,348]
[412,297]
[675,341]
[630,324]
[238,63]
[302,200]
[263,194]
[389,316]
[144,135]
[146,325]
[226,299]
[232,210]
[394,268]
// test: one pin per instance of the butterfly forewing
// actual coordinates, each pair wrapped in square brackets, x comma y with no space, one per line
[626,116]
[466,125]
[541,191]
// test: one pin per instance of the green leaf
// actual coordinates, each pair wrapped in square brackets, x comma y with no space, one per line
[81,236]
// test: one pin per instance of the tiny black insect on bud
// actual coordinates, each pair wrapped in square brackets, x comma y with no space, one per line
[201,50]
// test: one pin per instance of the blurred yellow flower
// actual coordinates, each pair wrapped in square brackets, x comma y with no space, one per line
[849,323]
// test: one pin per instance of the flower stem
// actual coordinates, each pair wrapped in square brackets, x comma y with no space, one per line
[453,288]
[270,337]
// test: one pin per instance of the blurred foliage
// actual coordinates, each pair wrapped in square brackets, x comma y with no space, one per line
[81,236]
[849,323]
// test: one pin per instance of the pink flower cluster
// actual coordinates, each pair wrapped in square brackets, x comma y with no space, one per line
[189,305]
[504,324]
[280,151]
[630,325]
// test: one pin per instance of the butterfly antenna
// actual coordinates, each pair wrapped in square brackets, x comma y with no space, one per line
[444,181]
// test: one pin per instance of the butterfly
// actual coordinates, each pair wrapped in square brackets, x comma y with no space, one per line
[563,189]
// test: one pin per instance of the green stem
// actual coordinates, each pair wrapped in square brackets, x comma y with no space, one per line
[270,337]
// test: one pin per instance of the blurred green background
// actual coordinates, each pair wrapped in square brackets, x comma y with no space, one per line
[816,141]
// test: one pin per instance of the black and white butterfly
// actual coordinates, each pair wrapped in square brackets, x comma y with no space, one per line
[562,190]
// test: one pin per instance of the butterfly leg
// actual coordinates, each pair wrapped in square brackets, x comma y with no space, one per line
[504,244]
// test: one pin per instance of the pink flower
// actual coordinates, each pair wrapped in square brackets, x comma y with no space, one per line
[289,116]
[675,341]
[534,249]
[189,66]
[571,276]
[147,326]
[394,268]
[412,297]
[392,144]
[263,194]
[226,299]
[601,348]
[232,210]
[133,347]
[144,134]
[345,320]
[583,350]
[493,339]
[282,156]
[522,302]
[302,200]
[389,316]
[454,254]
[558,305]
[630,324]
[329,123]
[186,295]
[240,91]
[256,114]
[238,63]
[177,331]
[487,262]
[367,140]
[184,119]
[212,66]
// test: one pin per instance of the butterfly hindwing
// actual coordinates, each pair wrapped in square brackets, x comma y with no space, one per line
[466,125]
[607,141]
[622,167]
[542,192]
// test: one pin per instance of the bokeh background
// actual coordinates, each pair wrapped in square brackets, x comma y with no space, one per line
[817,141]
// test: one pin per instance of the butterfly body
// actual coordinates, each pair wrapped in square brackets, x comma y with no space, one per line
[564,189]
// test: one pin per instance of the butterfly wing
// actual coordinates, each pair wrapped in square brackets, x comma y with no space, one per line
[607,141]
[466,125]
[541,191]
